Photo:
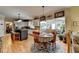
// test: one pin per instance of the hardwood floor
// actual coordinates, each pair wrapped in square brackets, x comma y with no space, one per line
[17,46]
[22,46]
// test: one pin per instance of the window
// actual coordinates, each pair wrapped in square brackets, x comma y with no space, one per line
[43,25]
[53,26]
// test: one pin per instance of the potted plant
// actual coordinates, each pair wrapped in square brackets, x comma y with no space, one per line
[61,36]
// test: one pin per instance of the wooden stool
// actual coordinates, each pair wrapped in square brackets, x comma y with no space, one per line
[16,36]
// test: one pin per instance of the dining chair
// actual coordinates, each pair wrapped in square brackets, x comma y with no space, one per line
[37,42]
[53,41]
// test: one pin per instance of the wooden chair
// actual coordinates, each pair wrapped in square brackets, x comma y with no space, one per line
[53,41]
[15,36]
[36,39]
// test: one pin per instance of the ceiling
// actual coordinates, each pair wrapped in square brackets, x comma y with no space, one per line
[27,12]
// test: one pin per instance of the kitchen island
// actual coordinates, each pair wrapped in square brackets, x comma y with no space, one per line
[22,34]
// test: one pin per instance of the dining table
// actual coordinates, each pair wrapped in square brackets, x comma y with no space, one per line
[46,37]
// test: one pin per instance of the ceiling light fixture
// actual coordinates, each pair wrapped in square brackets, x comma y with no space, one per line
[19,20]
[43,17]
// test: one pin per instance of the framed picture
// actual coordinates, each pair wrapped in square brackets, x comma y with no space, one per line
[42,18]
[59,14]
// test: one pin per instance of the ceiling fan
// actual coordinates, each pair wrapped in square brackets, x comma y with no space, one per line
[43,17]
[24,20]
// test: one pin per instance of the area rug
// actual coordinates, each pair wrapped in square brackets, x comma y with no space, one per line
[59,49]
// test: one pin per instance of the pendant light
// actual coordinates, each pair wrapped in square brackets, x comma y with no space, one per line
[43,17]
